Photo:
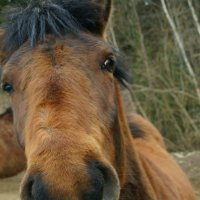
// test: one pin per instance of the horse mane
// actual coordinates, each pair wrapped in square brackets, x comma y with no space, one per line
[35,19]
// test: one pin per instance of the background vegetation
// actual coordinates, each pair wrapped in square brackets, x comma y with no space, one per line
[160,40]
[165,90]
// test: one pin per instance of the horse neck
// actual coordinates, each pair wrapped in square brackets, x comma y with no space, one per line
[134,182]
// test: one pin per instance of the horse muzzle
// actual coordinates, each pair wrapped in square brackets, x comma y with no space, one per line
[103,185]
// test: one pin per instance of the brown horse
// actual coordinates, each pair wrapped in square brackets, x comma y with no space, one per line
[62,78]
[12,159]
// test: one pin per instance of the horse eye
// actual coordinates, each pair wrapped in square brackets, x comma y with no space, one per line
[109,65]
[7,87]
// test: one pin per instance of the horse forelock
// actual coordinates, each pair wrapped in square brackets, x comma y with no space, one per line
[34,20]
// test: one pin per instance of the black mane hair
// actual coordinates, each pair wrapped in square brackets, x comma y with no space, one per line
[36,18]
[122,72]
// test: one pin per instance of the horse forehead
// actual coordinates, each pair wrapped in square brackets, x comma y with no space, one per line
[70,47]
[74,45]
[56,56]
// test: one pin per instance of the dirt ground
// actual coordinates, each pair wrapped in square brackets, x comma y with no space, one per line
[190,163]
[9,188]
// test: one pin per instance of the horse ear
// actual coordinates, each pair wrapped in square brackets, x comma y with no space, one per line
[93,15]
[106,12]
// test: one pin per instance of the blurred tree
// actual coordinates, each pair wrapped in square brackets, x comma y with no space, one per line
[4,4]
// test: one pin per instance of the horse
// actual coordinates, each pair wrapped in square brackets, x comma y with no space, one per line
[64,81]
[12,158]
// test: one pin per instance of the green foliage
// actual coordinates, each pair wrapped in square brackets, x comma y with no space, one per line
[6,3]
[9,2]
[163,91]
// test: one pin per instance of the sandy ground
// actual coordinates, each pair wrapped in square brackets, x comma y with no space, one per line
[9,188]
[190,163]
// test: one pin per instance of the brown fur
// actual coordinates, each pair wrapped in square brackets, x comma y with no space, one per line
[148,131]
[68,113]
[144,162]
[2,53]
[12,159]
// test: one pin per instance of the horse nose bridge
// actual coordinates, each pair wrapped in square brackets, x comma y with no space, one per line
[69,115]
[54,151]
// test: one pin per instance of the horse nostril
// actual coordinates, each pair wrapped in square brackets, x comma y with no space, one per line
[26,193]
[104,183]
[34,189]
[111,184]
